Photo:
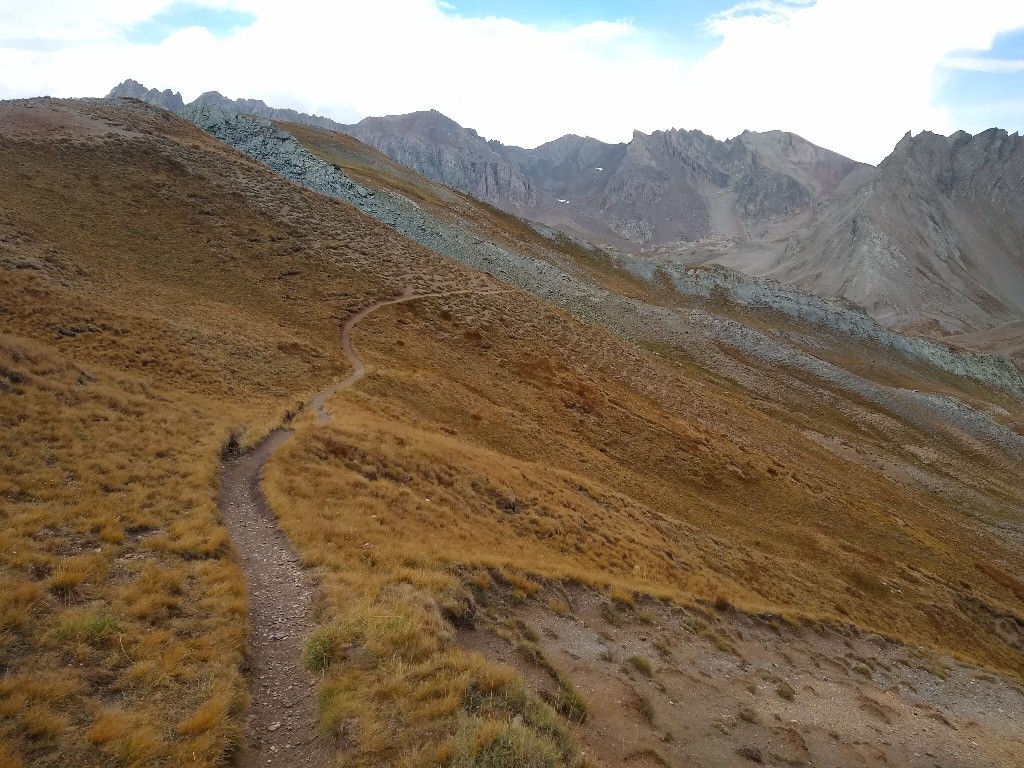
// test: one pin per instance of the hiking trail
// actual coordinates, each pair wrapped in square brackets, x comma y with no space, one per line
[280,726]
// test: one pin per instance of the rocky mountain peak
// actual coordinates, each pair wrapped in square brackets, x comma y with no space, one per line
[427,126]
[166,99]
[957,162]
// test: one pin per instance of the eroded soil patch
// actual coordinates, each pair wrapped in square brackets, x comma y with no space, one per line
[683,687]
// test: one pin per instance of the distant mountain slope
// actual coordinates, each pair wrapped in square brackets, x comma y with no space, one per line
[443,150]
[934,242]
[659,188]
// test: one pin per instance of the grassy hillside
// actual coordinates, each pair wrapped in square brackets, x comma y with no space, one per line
[158,292]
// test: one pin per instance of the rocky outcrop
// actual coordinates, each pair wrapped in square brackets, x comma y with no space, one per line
[265,143]
[840,316]
[259,108]
[167,99]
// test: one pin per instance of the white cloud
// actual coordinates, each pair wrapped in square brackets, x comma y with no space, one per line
[984,65]
[852,75]
[72,21]
[764,10]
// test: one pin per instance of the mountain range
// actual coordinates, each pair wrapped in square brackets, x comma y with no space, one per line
[929,241]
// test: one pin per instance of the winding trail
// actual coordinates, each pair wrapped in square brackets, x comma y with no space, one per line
[280,727]
[358,369]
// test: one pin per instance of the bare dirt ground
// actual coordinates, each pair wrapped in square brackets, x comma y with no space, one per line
[281,722]
[695,687]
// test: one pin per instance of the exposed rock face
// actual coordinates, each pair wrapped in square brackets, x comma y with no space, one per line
[164,99]
[664,187]
[260,108]
[935,241]
[844,317]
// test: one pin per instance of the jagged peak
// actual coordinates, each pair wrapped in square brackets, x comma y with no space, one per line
[927,148]
[128,83]
[166,99]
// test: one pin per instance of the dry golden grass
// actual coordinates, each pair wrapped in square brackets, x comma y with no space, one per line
[455,459]
[117,579]
[152,300]
[157,291]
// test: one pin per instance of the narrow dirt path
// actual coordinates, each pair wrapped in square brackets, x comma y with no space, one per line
[280,728]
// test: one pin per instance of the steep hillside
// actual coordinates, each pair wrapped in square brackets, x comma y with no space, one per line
[541,472]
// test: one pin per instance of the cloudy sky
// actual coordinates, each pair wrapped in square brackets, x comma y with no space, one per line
[851,75]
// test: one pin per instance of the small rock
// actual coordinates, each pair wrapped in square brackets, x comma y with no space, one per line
[273,726]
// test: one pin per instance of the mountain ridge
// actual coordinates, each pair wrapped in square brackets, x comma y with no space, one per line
[940,211]
[927,242]
[173,101]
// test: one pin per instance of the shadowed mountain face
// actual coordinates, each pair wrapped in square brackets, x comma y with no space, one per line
[659,188]
[935,241]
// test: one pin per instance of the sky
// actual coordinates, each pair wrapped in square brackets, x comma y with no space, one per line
[850,75]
